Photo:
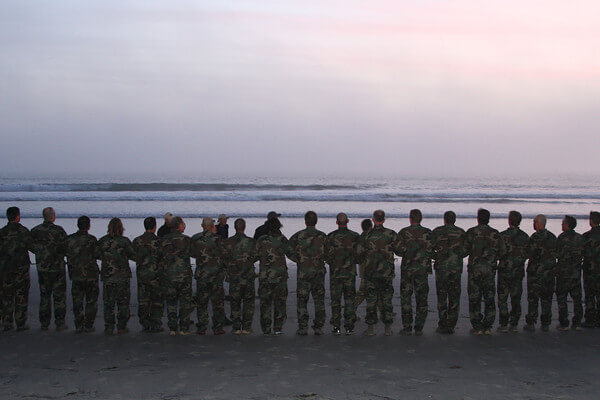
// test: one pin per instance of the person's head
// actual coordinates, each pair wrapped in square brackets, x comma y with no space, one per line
[239,225]
[177,224]
[115,227]
[594,218]
[378,217]
[13,214]
[168,217]
[483,216]
[310,218]
[568,223]
[150,224]
[366,225]
[539,222]
[48,214]
[222,219]
[342,220]
[208,224]
[514,219]
[273,225]
[83,223]
[449,218]
[415,216]
[273,214]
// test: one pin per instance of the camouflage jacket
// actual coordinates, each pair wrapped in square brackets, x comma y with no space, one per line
[272,249]
[308,249]
[50,246]
[447,245]
[517,251]
[207,249]
[414,246]
[485,247]
[15,243]
[377,249]
[542,252]
[240,256]
[341,253]
[175,251]
[147,257]
[115,252]
[591,252]
[81,257]
[569,253]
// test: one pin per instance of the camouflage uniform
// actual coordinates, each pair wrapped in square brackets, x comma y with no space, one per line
[511,271]
[569,254]
[15,243]
[149,280]
[240,253]
[541,273]
[115,253]
[341,257]
[485,247]
[49,248]
[447,245]
[414,246]
[175,251]
[308,250]
[272,286]
[591,276]
[83,272]
[377,249]
[207,249]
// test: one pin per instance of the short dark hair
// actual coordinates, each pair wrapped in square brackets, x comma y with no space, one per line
[149,223]
[571,221]
[595,217]
[239,224]
[379,216]
[415,215]
[310,218]
[273,224]
[450,217]
[514,218]
[366,224]
[12,213]
[83,222]
[483,216]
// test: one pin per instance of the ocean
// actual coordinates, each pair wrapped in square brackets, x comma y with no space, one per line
[134,198]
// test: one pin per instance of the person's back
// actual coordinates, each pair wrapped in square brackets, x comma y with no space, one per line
[308,249]
[485,247]
[147,257]
[272,249]
[16,242]
[415,248]
[81,256]
[591,272]
[49,247]
[341,257]
[114,252]
[569,254]
[207,249]
[175,249]
[447,246]
[378,248]
[240,253]
[542,253]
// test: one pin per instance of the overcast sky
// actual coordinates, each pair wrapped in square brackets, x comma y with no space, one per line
[300,87]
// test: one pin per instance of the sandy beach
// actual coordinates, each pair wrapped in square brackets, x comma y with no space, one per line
[57,365]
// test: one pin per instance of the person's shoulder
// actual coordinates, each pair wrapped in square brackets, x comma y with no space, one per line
[37,228]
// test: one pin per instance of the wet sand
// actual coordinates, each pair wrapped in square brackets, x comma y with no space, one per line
[65,365]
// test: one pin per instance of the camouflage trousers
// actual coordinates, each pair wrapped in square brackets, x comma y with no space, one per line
[179,303]
[539,291]
[53,288]
[448,288]
[150,304]
[510,285]
[345,287]
[591,285]
[116,295]
[565,286]
[481,287]
[210,290]
[242,302]
[414,281]
[85,292]
[380,290]
[315,286]
[16,300]
[273,303]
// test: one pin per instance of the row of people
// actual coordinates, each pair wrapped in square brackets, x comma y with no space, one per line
[164,272]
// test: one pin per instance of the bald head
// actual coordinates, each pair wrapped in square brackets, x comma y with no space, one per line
[49,214]
[539,222]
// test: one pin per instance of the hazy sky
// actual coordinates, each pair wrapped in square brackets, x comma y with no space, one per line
[300,87]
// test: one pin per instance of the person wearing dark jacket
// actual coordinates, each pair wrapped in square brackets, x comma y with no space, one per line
[164,230]
[263,229]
